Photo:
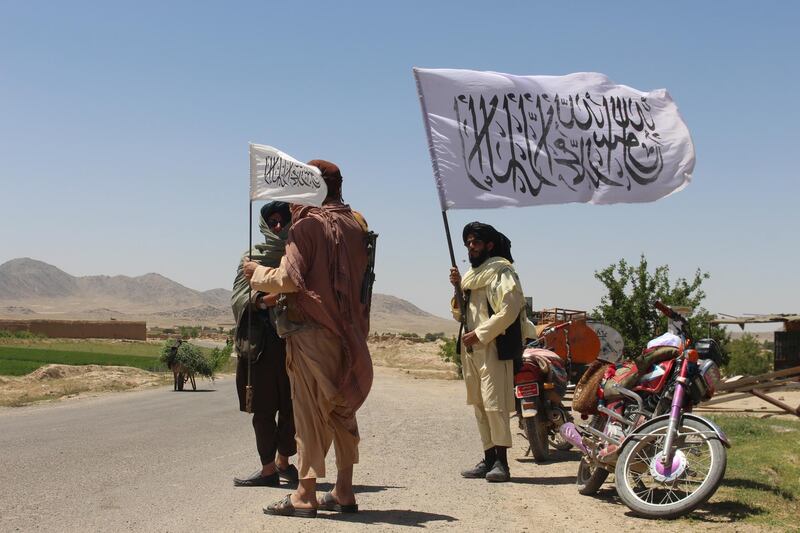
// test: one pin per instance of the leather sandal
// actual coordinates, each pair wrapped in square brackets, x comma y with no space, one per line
[329,503]
[285,508]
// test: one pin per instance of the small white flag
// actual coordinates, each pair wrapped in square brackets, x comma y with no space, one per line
[499,140]
[275,175]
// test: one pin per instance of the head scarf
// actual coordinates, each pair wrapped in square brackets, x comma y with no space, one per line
[276,207]
[270,253]
[332,176]
[487,233]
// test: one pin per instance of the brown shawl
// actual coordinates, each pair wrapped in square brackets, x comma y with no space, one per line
[326,258]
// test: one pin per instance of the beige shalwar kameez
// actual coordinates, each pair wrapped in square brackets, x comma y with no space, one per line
[489,380]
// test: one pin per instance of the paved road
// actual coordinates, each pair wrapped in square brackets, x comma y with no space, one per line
[158,460]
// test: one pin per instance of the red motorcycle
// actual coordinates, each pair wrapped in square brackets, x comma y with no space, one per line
[666,460]
[539,387]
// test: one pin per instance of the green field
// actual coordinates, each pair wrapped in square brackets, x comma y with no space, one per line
[15,367]
[19,360]
[88,346]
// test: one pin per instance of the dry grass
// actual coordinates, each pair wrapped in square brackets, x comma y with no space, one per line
[421,359]
[52,382]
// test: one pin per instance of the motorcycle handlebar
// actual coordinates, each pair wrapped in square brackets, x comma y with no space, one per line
[668,311]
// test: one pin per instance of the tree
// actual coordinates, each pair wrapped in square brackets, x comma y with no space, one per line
[747,357]
[628,304]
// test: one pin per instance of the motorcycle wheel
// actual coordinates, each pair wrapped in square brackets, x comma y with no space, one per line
[703,460]
[536,429]
[590,477]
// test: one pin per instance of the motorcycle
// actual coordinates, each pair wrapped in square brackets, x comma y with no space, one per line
[666,460]
[540,384]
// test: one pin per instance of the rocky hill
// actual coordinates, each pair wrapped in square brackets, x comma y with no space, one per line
[27,278]
[31,280]
[40,290]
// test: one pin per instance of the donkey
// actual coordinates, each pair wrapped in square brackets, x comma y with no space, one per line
[180,374]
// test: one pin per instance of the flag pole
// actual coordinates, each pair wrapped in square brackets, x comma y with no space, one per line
[437,175]
[248,390]
[459,294]
[449,239]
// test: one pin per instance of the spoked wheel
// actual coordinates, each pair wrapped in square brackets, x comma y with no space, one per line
[590,477]
[652,490]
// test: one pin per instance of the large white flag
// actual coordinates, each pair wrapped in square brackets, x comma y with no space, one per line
[498,140]
[275,175]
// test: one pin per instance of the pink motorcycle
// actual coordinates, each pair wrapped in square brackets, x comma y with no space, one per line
[666,460]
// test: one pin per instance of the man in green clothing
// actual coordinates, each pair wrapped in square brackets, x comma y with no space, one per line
[271,391]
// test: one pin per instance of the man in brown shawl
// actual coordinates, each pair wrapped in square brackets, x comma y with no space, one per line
[327,360]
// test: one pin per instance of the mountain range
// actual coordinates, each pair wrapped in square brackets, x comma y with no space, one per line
[30,288]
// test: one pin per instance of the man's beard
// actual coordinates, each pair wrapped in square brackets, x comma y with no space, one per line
[478,261]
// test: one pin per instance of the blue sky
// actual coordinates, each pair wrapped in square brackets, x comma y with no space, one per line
[124,131]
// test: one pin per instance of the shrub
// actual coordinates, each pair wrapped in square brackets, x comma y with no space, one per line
[431,337]
[747,357]
[447,351]
[189,332]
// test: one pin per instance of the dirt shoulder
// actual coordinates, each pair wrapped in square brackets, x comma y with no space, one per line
[418,359]
[52,382]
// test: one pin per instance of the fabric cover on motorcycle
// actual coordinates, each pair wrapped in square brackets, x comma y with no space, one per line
[628,373]
[624,374]
[551,366]
[585,399]
[653,356]
[667,339]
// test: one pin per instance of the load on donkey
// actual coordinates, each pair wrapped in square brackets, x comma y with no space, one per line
[186,360]
[180,374]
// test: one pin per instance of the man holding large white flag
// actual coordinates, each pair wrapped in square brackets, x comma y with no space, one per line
[500,140]
[496,326]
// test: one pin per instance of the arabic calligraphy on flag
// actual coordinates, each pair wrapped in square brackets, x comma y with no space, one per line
[275,175]
[499,140]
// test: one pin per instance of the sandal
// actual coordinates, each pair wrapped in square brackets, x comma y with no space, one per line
[329,503]
[285,508]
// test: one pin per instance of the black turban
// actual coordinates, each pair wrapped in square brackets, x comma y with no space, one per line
[277,207]
[487,233]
